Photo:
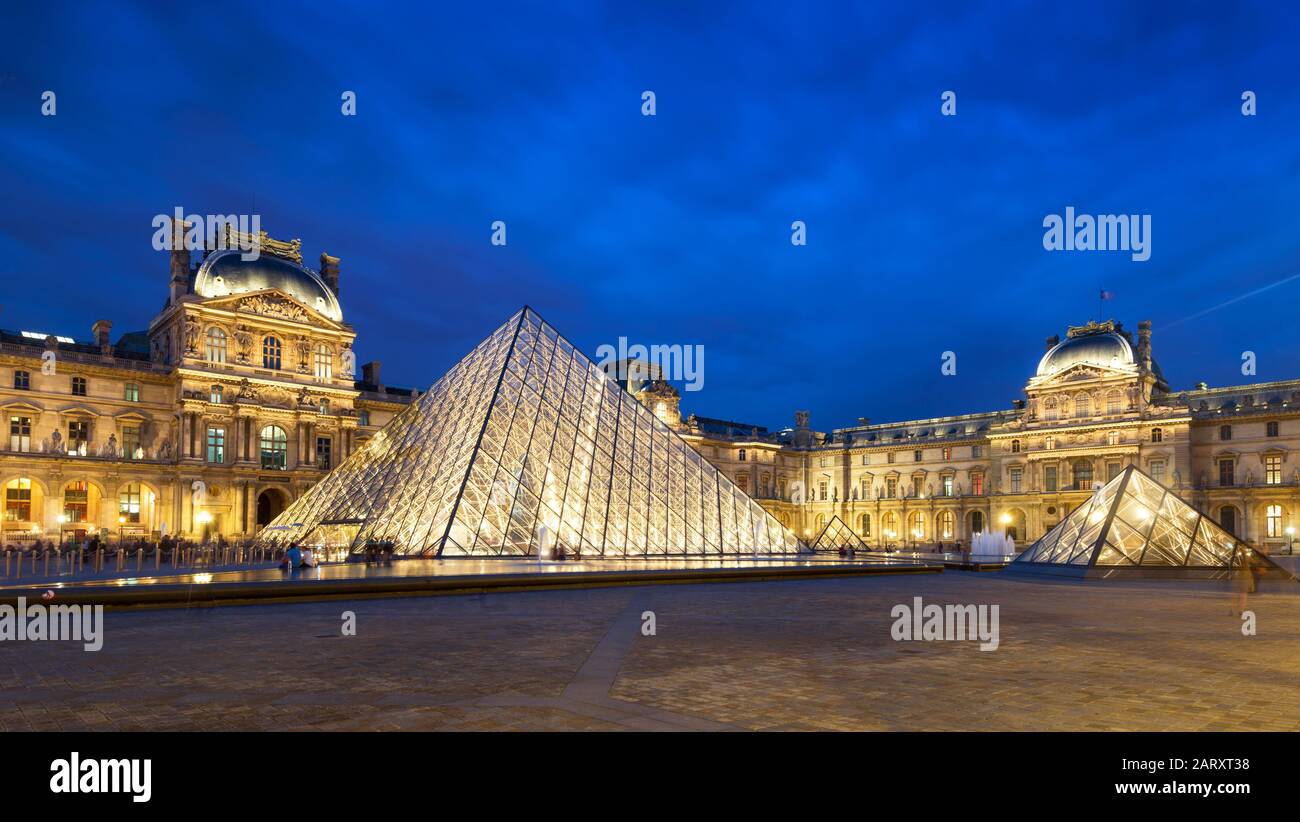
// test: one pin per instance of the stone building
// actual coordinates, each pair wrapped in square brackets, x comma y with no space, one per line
[237,398]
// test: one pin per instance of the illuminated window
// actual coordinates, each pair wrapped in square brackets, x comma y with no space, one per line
[947,525]
[891,487]
[324,360]
[1082,470]
[131,393]
[823,489]
[216,395]
[78,436]
[78,386]
[1157,435]
[1049,409]
[1082,406]
[324,449]
[76,501]
[271,353]
[275,448]
[1015,446]
[128,503]
[1273,470]
[1049,443]
[18,500]
[947,486]
[1016,475]
[1273,520]
[947,453]
[216,345]
[916,525]
[977,484]
[217,446]
[1112,438]
[131,442]
[864,525]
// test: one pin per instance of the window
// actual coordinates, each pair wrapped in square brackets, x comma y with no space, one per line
[823,489]
[325,363]
[1158,471]
[947,486]
[78,436]
[1157,435]
[132,392]
[1082,406]
[891,487]
[742,480]
[742,455]
[1016,475]
[1225,432]
[916,525]
[217,446]
[1273,469]
[977,484]
[1049,409]
[271,353]
[1015,446]
[1227,471]
[363,417]
[78,386]
[1228,519]
[1049,443]
[216,345]
[866,459]
[1270,429]
[947,525]
[1273,520]
[1049,478]
[916,455]
[131,442]
[947,453]
[1082,470]
[1112,470]
[217,395]
[18,500]
[977,522]
[976,451]
[20,434]
[865,484]
[22,380]
[275,448]
[76,501]
[889,458]
[324,406]
[1112,438]
[128,503]
[916,487]
[864,525]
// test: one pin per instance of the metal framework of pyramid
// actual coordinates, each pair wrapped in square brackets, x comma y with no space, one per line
[525,440]
[1134,524]
[837,535]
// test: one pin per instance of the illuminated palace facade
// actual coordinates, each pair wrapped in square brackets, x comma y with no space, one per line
[241,395]
[238,397]
[1096,403]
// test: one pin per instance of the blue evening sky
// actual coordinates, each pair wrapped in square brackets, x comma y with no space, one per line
[924,231]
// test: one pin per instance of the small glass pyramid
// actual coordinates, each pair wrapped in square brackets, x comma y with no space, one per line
[837,535]
[1135,523]
[523,442]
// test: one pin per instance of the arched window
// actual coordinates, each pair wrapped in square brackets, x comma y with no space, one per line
[271,353]
[1273,521]
[1157,435]
[324,362]
[128,503]
[275,448]
[76,501]
[1049,408]
[947,525]
[18,500]
[1082,406]
[977,522]
[821,522]
[916,525]
[864,525]
[1228,519]
[216,345]
[889,525]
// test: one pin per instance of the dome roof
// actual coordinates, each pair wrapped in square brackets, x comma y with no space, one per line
[1108,349]
[226,272]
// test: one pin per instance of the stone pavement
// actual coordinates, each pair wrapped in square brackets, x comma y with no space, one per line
[804,655]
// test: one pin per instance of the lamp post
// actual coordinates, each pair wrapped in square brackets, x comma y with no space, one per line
[1290,539]
[1005,519]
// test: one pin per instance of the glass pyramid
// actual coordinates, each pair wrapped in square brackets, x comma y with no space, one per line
[837,535]
[524,440]
[1133,522]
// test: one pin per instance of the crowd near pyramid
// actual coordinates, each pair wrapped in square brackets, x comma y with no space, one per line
[525,445]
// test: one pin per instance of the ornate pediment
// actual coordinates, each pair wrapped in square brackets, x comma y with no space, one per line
[273,306]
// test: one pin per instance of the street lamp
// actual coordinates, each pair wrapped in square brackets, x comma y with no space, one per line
[1290,539]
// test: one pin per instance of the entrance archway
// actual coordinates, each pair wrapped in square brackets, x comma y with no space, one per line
[270,504]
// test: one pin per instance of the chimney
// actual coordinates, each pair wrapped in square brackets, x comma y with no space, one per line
[101,330]
[1052,341]
[180,264]
[1144,343]
[329,272]
[370,374]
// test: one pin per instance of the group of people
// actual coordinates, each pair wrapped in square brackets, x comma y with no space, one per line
[298,557]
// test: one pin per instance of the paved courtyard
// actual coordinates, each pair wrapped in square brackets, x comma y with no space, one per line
[800,655]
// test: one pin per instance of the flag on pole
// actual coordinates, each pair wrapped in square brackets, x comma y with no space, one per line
[1107,295]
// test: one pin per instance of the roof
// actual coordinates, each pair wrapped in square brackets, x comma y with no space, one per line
[227,272]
